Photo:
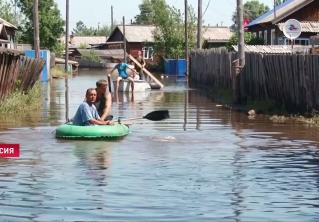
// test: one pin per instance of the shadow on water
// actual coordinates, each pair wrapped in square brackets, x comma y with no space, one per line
[95,159]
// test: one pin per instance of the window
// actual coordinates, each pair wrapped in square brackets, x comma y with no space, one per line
[265,37]
[273,37]
[260,34]
[148,52]
[298,41]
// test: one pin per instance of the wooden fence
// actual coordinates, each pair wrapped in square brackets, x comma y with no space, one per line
[291,80]
[17,71]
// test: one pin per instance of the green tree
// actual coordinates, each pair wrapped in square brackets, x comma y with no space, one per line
[278,2]
[252,10]
[249,39]
[50,22]
[82,30]
[169,32]
[7,12]
[146,15]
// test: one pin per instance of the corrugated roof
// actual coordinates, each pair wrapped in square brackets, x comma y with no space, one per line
[138,33]
[217,34]
[8,24]
[78,41]
[282,11]
[305,26]
[107,53]
[144,33]
[273,48]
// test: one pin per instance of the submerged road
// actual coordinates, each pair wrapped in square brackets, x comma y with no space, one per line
[205,163]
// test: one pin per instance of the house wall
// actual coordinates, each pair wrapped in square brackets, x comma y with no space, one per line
[209,45]
[117,36]
[11,37]
[264,32]
[308,13]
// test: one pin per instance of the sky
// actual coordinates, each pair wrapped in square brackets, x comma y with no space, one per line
[96,13]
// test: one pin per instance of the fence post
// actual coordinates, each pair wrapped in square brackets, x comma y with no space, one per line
[235,81]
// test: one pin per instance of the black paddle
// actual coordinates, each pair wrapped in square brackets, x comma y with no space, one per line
[157,115]
[153,116]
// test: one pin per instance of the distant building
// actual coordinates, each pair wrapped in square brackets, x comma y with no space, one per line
[7,34]
[138,38]
[216,36]
[269,26]
[84,42]
[141,38]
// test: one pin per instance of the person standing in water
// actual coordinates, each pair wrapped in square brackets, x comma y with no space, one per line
[141,60]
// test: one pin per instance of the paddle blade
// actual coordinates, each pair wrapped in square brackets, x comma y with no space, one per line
[157,115]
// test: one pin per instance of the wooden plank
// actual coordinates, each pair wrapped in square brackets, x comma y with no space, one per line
[146,71]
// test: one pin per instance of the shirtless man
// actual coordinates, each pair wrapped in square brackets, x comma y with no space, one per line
[103,101]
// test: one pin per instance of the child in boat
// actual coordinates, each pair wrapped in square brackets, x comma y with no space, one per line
[87,113]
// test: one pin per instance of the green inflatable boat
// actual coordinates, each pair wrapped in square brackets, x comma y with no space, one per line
[92,132]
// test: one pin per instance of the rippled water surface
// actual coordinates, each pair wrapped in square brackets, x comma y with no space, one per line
[205,163]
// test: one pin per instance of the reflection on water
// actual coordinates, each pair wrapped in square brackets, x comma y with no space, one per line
[205,163]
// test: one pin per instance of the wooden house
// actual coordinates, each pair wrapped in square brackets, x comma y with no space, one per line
[7,34]
[269,26]
[215,36]
[141,38]
[84,42]
[138,38]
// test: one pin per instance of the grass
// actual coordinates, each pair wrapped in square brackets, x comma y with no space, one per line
[266,107]
[20,102]
[57,72]
[310,121]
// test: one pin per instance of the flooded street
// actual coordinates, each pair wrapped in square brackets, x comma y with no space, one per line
[205,163]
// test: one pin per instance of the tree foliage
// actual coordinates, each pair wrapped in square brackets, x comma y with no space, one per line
[249,39]
[146,16]
[278,2]
[7,12]
[82,30]
[170,29]
[50,22]
[252,10]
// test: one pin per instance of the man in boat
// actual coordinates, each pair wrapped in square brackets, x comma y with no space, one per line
[87,113]
[103,101]
[122,70]
[141,60]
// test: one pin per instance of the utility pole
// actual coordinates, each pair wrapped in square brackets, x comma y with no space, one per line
[275,9]
[66,36]
[112,25]
[66,81]
[199,25]
[36,28]
[186,36]
[241,43]
[124,40]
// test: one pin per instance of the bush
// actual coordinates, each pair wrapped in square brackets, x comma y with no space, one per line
[92,57]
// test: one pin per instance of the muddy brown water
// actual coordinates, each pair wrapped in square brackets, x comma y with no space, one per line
[205,163]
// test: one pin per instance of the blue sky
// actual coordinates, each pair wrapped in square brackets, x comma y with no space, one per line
[96,12]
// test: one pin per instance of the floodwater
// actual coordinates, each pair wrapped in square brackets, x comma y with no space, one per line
[205,163]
